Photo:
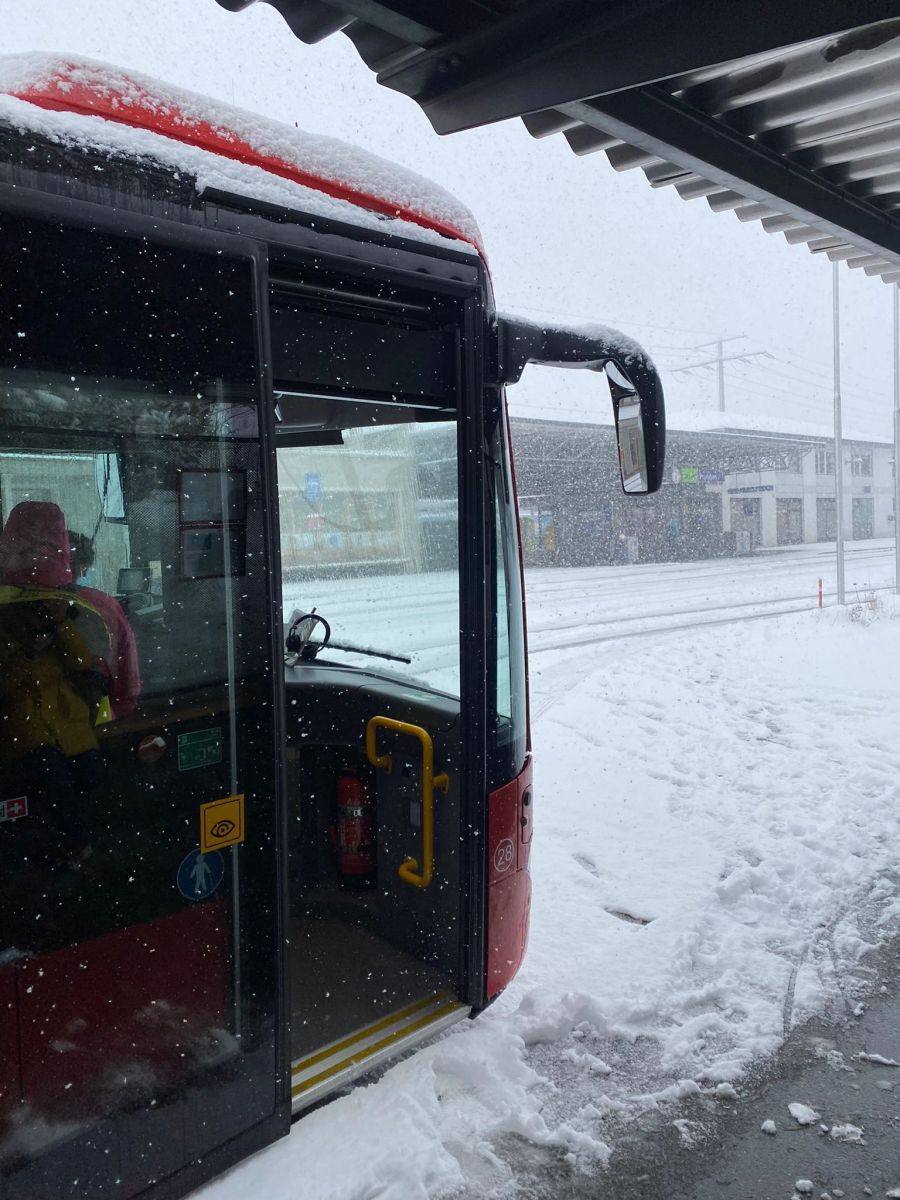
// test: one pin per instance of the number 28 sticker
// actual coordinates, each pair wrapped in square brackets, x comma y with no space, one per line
[221,823]
[504,856]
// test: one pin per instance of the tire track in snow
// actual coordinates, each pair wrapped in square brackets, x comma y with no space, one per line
[664,613]
[571,672]
[655,630]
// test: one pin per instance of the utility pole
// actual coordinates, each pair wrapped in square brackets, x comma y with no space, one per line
[719,362]
[720,366]
[838,438]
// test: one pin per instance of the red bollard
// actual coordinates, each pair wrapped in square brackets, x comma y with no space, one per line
[820,593]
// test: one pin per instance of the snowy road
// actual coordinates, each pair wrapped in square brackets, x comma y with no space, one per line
[574,607]
[419,616]
[714,863]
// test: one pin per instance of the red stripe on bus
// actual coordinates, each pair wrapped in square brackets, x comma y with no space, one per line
[141,111]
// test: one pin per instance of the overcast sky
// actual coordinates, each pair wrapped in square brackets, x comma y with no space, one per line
[566,236]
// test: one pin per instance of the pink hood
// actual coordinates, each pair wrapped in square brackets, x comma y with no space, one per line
[35,552]
[34,547]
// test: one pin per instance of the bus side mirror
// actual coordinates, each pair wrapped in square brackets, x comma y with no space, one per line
[632,434]
[634,386]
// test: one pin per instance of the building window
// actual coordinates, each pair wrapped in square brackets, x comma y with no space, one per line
[825,462]
[790,462]
[861,464]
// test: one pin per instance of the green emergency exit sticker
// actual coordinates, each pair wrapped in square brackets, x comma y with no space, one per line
[201,748]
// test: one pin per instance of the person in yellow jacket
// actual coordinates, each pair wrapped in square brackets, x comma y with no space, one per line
[49,686]
[48,747]
[43,699]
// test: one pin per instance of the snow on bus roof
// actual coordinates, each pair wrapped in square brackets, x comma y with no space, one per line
[223,147]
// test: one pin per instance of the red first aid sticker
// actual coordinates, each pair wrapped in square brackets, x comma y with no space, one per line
[11,810]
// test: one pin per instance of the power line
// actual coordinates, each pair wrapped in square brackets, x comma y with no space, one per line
[817,379]
[867,383]
[857,396]
[790,356]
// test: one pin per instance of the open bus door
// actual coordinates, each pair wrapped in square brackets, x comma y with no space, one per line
[408,786]
[382,438]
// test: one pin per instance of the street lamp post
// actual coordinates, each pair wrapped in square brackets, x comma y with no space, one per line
[838,441]
[896,438]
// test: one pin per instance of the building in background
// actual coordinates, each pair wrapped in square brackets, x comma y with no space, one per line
[728,490]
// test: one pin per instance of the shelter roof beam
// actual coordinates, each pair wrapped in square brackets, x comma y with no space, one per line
[656,121]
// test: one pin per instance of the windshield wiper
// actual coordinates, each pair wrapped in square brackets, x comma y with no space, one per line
[299,641]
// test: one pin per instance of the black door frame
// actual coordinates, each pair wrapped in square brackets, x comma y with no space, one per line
[470,297]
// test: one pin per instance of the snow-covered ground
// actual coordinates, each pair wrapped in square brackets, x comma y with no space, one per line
[715,852]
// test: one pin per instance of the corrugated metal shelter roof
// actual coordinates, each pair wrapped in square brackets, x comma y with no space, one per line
[783,112]
[802,134]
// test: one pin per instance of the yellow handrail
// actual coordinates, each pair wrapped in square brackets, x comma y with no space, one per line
[409,870]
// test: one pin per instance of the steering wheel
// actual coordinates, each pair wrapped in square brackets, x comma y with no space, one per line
[299,639]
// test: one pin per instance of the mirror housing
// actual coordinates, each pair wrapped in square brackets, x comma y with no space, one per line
[634,386]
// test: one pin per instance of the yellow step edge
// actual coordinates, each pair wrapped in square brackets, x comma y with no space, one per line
[384,1042]
[303,1064]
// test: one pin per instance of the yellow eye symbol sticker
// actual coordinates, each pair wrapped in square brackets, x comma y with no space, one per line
[221,823]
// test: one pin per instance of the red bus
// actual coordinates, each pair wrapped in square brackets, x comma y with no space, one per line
[265,799]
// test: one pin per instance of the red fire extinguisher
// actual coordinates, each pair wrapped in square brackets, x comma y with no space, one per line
[354,831]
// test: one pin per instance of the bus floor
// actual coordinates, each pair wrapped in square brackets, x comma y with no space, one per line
[344,977]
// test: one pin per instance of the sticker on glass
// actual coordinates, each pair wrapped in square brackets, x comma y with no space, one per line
[12,810]
[221,823]
[200,874]
[199,748]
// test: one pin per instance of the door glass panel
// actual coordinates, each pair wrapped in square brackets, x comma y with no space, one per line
[135,687]
[509,702]
[369,533]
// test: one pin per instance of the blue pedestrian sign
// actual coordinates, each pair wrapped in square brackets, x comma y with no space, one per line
[200,874]
[312,487]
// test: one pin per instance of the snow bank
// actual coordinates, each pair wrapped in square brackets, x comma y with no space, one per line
[738,786]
